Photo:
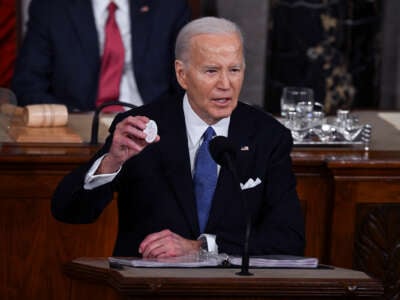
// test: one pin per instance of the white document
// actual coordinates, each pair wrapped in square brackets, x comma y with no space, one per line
[278,261]
[188,261]
[205,259]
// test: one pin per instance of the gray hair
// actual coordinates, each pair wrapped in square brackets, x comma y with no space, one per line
[205,25]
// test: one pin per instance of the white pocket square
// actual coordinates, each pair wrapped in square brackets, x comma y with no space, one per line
[250,183]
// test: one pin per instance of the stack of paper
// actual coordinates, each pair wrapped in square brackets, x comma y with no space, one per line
[187,261]
[278,261]
[214,260]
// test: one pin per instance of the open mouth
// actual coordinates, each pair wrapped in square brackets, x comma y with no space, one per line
[222,101]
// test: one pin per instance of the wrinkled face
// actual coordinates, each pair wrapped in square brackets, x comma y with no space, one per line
[213,75]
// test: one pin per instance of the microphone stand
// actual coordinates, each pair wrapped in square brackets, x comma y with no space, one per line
[95,120]
[245,255]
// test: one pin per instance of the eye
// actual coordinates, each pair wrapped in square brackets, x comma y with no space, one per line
[236,70]
[211,71]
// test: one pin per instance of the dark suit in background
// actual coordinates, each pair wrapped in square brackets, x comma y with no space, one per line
[156,187]
[59,61]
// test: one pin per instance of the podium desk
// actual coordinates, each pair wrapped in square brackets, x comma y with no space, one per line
[91,278]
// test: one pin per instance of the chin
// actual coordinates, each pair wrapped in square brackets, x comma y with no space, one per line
[222,114]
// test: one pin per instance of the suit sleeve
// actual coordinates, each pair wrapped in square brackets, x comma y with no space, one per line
[31,80]
[71,203]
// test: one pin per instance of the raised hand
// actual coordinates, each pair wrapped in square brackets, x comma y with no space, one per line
[128,140]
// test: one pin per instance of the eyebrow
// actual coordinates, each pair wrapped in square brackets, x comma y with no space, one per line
[217,67]
[210,66]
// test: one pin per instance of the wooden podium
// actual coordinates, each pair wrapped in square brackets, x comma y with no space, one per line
[91,278]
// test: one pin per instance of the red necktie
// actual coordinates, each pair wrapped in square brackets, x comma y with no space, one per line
[112,63]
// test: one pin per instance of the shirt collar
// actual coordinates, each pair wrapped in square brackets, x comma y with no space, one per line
[195,126]
[122,4]
[101,5]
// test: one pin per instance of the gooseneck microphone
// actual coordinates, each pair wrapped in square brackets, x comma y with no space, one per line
[95,120]
[223,152]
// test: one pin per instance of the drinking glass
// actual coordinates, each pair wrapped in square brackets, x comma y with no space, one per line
[293,97]
[297,125]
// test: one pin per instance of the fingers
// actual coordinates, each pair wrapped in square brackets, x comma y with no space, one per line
[129,138]
[151,245]
[131,129]
[166,244]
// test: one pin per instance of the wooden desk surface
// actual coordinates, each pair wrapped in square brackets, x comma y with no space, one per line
[79,123]
[192,282]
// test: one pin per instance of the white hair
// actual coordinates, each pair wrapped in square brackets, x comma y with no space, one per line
[205,25]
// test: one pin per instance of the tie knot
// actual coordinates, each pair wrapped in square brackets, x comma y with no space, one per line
[112,7]
[209,134]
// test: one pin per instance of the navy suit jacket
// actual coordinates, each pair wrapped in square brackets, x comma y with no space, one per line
[156,189]
[59,61]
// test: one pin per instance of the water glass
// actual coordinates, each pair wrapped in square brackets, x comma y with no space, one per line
[297,125]
[292,96]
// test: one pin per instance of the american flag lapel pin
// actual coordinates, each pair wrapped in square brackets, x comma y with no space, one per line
[144,9]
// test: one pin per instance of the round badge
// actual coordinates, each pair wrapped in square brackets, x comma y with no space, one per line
[151,131]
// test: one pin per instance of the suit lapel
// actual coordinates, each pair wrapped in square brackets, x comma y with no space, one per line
[81,14]
[241,132]
[176,162]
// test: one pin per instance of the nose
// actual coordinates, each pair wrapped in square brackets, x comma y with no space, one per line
[224,81]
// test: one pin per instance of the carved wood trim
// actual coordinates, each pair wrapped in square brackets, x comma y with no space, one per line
[377,244]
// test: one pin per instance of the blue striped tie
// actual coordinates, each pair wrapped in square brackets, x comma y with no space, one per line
[205,179]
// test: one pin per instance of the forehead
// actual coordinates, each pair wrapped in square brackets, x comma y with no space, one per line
[211,46]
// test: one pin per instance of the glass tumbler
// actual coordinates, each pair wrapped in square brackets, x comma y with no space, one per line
[292,96]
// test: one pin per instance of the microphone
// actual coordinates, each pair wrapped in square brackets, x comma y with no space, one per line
[223,152]
[95,120]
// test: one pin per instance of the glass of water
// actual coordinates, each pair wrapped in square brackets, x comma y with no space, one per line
[292,96]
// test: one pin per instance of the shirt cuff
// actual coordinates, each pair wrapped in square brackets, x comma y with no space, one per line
[92,181]
[211,242]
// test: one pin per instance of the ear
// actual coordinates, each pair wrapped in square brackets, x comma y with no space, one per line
[180,73]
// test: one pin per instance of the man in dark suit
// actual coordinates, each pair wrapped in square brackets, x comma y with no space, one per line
[60,59]
[156,180]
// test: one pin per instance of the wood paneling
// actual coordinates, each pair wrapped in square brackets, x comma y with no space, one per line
[348,195]
[34,245]
[313,193]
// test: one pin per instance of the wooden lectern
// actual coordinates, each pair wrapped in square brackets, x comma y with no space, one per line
[91,278]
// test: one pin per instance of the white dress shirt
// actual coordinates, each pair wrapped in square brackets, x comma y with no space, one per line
[128,88]
[195,128]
